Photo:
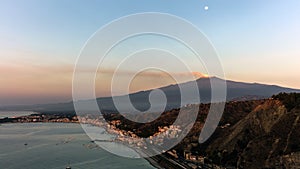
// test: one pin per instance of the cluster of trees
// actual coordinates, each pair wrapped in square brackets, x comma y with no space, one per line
[290,100]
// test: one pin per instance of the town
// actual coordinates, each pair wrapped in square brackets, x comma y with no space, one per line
[129,138]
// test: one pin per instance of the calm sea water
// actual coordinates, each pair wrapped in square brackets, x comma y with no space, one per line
[53,146]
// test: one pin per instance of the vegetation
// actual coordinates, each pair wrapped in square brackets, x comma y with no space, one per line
[234,111]
[261,130]
[290,100]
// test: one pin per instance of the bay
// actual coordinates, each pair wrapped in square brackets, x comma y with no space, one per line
[54,145]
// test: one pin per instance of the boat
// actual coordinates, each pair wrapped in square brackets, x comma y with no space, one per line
[68,167]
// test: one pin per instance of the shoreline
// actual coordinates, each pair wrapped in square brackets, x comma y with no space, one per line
[150,160]
[41,118]
[160,161]
[65,139]
[29,119]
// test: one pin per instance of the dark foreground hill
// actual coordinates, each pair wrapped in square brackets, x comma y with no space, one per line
[268,137]
[251,134]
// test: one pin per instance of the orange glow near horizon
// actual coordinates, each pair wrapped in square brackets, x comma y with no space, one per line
[200,75]
[255,41]
[33,84]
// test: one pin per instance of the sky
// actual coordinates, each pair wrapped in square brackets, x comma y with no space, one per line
[257,41]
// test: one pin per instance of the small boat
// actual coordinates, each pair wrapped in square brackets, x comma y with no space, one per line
[68,167]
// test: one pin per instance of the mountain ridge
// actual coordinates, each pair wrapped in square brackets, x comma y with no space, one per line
[236,91]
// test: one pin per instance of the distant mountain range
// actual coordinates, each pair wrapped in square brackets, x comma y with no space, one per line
[236,91]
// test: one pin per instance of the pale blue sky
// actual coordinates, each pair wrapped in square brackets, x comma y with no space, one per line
[257,40]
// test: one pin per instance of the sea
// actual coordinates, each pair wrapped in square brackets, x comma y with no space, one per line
[55,146]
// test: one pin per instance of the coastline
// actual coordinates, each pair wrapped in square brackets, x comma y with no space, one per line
[56,145]
[42,118]
[160,161]
[35,118]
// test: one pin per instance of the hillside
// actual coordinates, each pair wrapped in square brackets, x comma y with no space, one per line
[267,137]
[251,134]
